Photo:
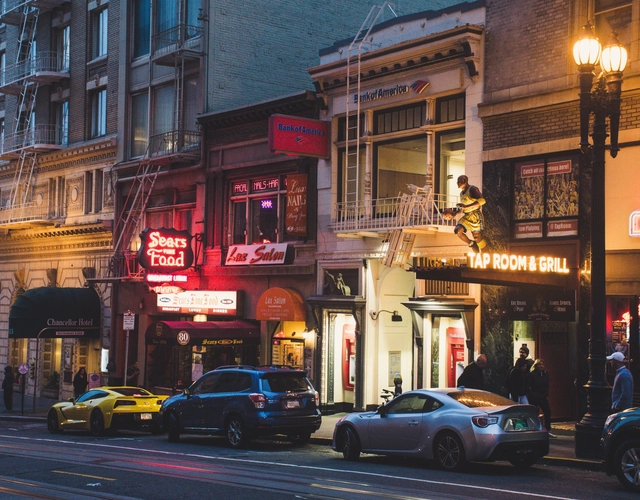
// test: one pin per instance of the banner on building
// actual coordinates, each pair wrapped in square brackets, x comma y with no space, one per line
[296,213]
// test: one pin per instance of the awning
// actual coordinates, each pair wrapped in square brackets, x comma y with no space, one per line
[207,333]
[281,304]
[52,313]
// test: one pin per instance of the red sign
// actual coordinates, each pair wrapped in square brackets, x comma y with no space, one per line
[298,136]
[165,250]
[528,230]
[562,228]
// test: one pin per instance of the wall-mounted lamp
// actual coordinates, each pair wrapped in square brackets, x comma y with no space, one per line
[395,317]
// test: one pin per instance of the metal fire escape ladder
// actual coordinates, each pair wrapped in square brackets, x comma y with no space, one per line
[26,166]
[352,116]
[132,212]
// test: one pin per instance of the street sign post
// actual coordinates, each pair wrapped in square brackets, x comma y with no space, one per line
[128,324]
[23,369]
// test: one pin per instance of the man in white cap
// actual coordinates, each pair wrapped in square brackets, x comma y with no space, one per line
[622,393]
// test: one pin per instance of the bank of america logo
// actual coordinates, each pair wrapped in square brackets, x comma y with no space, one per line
[300,140]
[419,85]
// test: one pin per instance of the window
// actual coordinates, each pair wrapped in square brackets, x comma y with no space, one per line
[163,123]
[166,15]
[233,382]
[141,27]
[450,147]
[614,15]
[64,46]
[545,198]
[139,124]
[450,108]
[3,67]
[100,33]
[258,211]
[205,384]
[397,119]
[99,113]
[399,163]
[62,119]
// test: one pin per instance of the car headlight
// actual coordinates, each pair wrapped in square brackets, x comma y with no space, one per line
[610,419]
[484,421]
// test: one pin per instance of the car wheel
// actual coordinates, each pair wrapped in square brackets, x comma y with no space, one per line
[300,438]
[350,445]
[522,462]
[236,435]
[96,422]
[173,426]
[627,464]
[52,422]
[449,452]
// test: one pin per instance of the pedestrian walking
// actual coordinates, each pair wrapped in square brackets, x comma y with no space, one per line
[7,388]
[622,392]
[80,383]
[539,392]
[473,375]
[518,382]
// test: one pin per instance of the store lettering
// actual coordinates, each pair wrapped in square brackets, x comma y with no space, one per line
[268,256]
[508,262]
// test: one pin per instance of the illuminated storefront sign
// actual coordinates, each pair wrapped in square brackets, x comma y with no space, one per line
[296,213]
[215,303]
[165,250]
[511,262]
[298,136]
[634,224]
[165,278]
[255,255]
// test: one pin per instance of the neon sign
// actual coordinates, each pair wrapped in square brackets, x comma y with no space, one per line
[510,262]
[165,250]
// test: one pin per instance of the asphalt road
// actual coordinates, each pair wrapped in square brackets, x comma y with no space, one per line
[75,465]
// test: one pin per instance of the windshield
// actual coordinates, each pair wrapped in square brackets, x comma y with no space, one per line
[285,382]
[478,399]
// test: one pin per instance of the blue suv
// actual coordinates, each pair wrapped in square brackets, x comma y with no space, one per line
[244,402]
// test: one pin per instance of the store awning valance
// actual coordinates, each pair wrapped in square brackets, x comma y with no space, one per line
[207,333]
[53,313]
[281,304]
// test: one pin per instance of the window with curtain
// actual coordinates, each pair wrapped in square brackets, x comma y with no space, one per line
[139,124]
[100,32]
[141,27]
[163,109]
[64,46]
[63,122]
[99,113]
[166,15]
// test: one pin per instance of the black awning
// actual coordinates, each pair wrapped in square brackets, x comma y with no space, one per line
[206,333]
[52,313]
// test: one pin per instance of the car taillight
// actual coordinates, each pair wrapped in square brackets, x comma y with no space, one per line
[259,401]
[317,398]
[125,402]
[484,421]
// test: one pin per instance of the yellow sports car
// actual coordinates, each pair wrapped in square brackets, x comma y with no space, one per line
[108,408]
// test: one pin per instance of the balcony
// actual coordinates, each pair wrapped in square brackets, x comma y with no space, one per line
[45,68]
[11,11]
[174,147]
[23,215]
[182,41]
[417,213]
[40,139]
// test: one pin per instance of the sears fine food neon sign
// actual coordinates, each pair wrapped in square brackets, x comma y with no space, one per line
[165,250]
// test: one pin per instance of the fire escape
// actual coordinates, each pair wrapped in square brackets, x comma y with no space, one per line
[22,80]
[180,47]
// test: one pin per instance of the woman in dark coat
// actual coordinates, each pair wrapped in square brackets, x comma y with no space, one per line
[539,391]
[7,388]
[80,383]
[518,381]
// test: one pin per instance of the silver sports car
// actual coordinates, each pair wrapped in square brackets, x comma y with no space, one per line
[451,426]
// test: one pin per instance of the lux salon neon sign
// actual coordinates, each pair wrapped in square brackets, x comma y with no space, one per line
[509,262]
[165,250]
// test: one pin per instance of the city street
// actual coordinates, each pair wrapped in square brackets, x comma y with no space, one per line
[76,465]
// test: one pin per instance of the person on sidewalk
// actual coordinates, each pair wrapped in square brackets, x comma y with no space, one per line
[133,372]
[518,382]
[473,375]
[524,354]
[622,393]
[80,383]
[7,388]
[539,392]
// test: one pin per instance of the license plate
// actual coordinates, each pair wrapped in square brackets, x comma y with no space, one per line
[145,416]
[519,424]
[292,403]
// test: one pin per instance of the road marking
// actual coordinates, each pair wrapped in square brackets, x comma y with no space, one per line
[295,466]
[84,475]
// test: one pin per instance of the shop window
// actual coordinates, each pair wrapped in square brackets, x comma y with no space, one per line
[257,212]
[545,198]
[398,163]
[450,108]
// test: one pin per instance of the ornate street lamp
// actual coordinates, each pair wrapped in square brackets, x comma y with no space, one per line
[601,100]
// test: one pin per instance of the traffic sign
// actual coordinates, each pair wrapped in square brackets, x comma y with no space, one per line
[128,320]
[23,369]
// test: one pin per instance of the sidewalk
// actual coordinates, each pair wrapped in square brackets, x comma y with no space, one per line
[561,449]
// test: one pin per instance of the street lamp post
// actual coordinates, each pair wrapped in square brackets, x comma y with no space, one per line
[603,101]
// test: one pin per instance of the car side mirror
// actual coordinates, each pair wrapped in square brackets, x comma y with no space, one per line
[382,411]
[186,392]
[71,400]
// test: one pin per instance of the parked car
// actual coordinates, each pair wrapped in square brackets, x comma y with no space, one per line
[621,447]
[244,402]
[452,426]
[108,408]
